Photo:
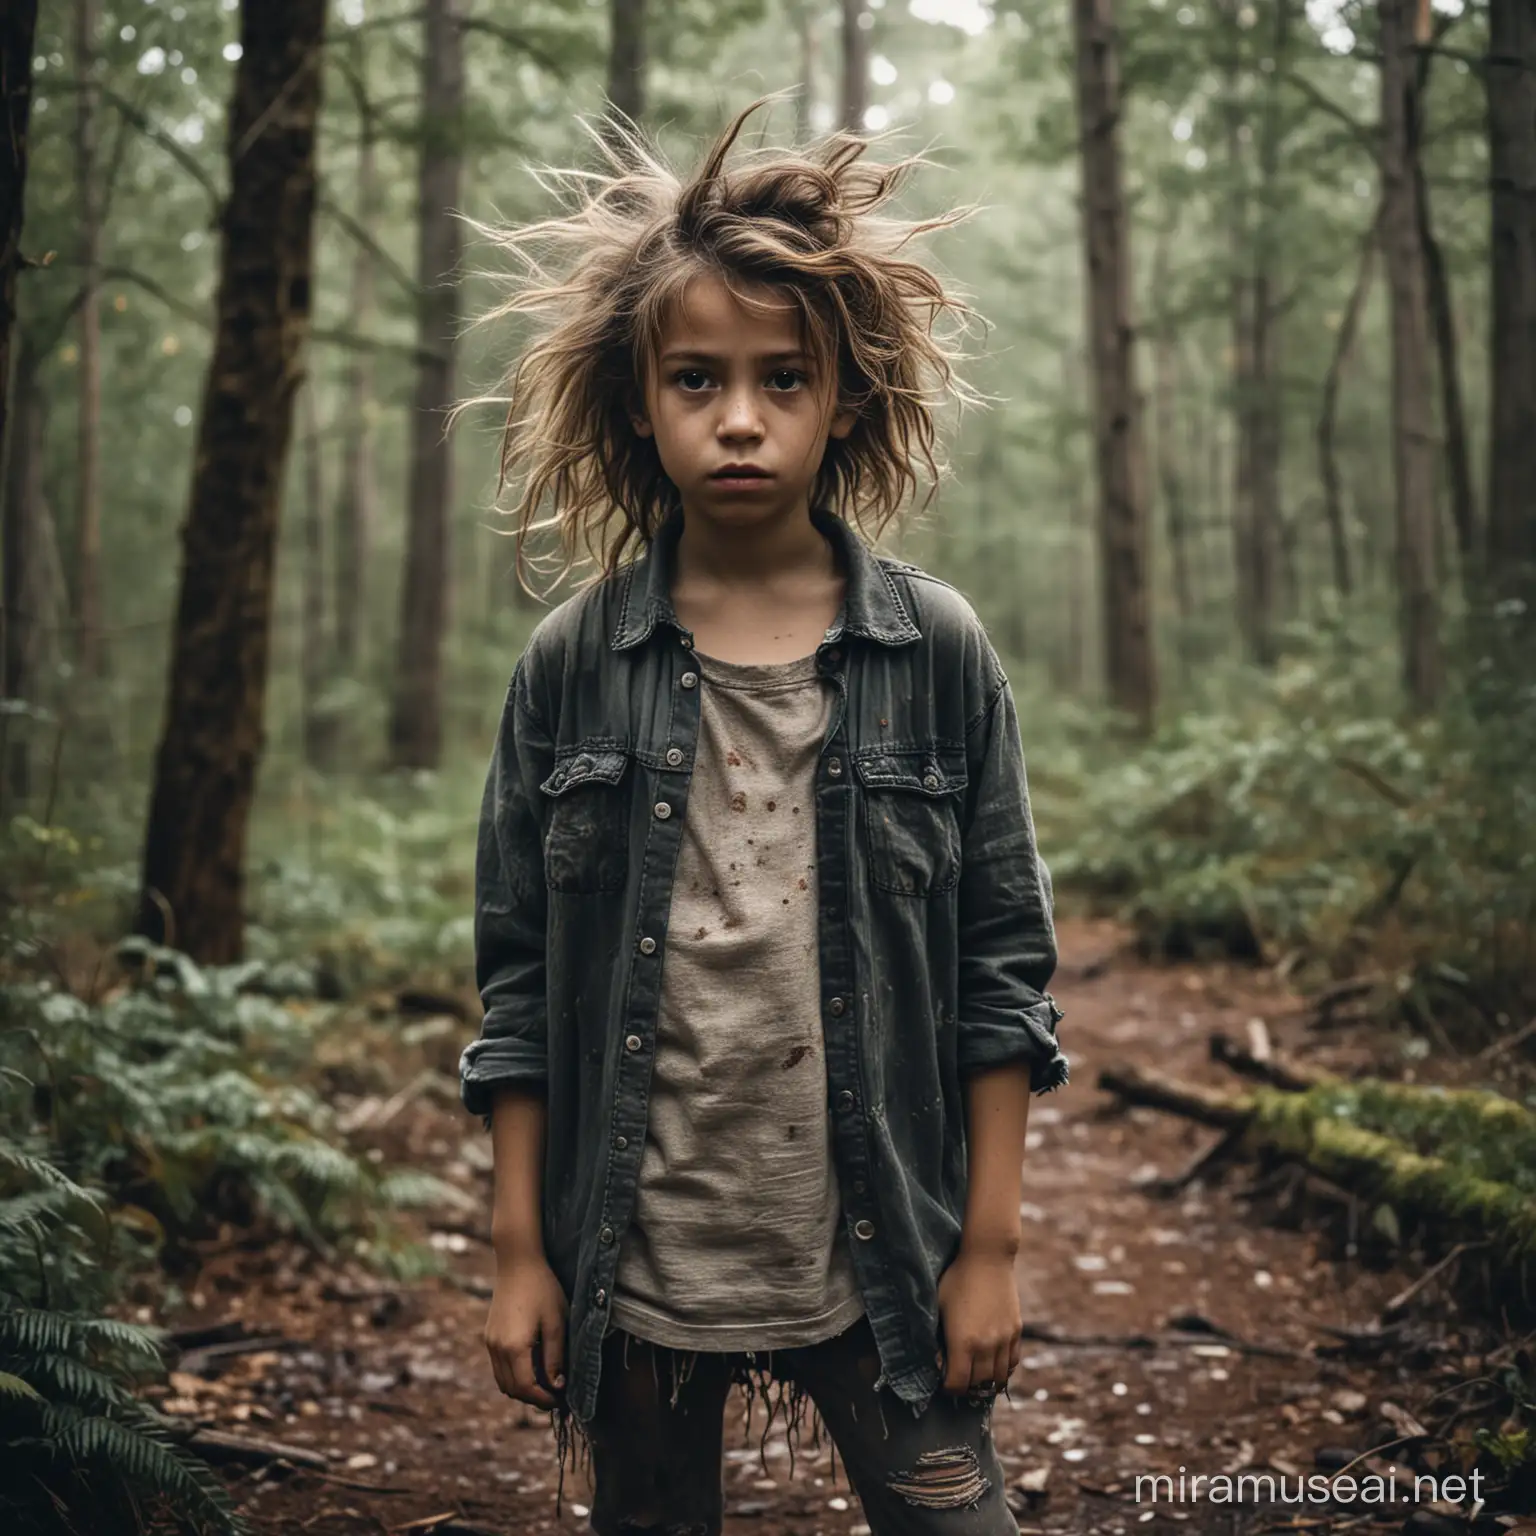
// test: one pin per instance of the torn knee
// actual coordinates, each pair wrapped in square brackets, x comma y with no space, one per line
[945,1479]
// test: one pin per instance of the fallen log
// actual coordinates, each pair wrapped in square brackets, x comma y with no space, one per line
[1488,1141]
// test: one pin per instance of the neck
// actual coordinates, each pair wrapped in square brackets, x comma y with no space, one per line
[752,555]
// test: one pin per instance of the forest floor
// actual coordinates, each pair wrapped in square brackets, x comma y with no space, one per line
[1194,1332]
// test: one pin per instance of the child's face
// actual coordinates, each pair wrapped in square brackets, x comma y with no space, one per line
[740,415]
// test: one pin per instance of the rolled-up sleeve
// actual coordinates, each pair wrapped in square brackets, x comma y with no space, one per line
[1007,929]
[510,912]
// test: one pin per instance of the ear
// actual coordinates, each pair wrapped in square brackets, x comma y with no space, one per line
[842,424]
[642,426]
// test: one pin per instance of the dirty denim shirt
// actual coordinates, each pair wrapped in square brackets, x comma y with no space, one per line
[934,920]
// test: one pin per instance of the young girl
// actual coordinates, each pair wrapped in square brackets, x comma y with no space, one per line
[761,930]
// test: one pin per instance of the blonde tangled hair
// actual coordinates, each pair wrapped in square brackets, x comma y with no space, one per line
[598,283]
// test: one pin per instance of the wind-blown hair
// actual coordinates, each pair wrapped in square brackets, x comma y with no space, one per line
[596,285]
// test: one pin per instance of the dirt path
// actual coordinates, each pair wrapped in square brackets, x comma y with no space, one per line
[391,1384]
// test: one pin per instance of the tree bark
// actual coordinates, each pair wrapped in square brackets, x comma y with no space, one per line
[1252,221]
[33,611]
[355,506]
[1415,450]
[626,57]
[1327,422]
[1265,542]
[855,92]
[1511,85]
[205,771]
[1442,314]
[1170,473]
[88,483]
[415,731]
[1119,452]
[18,24]
[318,725]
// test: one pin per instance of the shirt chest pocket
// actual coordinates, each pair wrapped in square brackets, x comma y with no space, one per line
[913,802]
[586,842]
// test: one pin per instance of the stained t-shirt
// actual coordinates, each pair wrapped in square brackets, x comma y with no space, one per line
[737,1239]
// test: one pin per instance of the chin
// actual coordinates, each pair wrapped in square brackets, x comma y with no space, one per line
[746,506]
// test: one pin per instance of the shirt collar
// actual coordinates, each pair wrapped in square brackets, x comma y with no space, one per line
[872,609]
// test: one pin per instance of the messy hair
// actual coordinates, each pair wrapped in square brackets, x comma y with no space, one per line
[595,286]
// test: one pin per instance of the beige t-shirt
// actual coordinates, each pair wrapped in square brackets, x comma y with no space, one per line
[737,1240]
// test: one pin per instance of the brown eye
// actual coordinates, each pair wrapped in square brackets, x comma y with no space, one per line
[691,380]
[785,378]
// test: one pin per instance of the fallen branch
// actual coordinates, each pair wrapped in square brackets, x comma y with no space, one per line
[218,1446]
[1278,1071]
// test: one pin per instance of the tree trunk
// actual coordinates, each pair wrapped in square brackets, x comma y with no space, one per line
[18,23]
[1238,214]
[805,42]
[1265,552]
[318,728]
[1170,474]
[415,730]
[88,483]
[1327,423]
[1442,314]
[205,771]
[1511,85]
[355,506]
[855,94]
[1251,228]
[1123,522]
[626,57]
[1413,438]
[33,612]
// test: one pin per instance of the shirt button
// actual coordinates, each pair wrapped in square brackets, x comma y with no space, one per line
[620,1142]
[837,1007]
[663,810]
[864,1229]
[690,679]
[632,1042]
[606,1235]
[601,1298]
[845,1100]
[647,945]
[858,1186]
[674,756]
[930,781]
[835,768]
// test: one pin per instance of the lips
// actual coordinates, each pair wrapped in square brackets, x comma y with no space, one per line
[741,472]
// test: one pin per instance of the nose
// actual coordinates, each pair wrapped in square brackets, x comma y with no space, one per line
[740,419]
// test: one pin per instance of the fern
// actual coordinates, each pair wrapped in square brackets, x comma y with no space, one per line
[142,1456]
[28,1331]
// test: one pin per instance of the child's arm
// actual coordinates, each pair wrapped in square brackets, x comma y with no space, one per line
[1007,930]
[525,1329]
[503,1073]
[511,910]
[1007,1040]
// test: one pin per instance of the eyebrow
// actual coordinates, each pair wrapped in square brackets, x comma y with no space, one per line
[688,355]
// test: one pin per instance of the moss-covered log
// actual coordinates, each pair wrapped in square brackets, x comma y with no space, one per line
[1477,1183]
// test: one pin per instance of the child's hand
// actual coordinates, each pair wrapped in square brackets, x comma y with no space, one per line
[981,1322]
[525,1332]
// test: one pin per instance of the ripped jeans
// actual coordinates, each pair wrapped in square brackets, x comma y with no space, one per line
[656,1441]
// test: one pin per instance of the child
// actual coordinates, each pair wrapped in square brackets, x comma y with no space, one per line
[761,930]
